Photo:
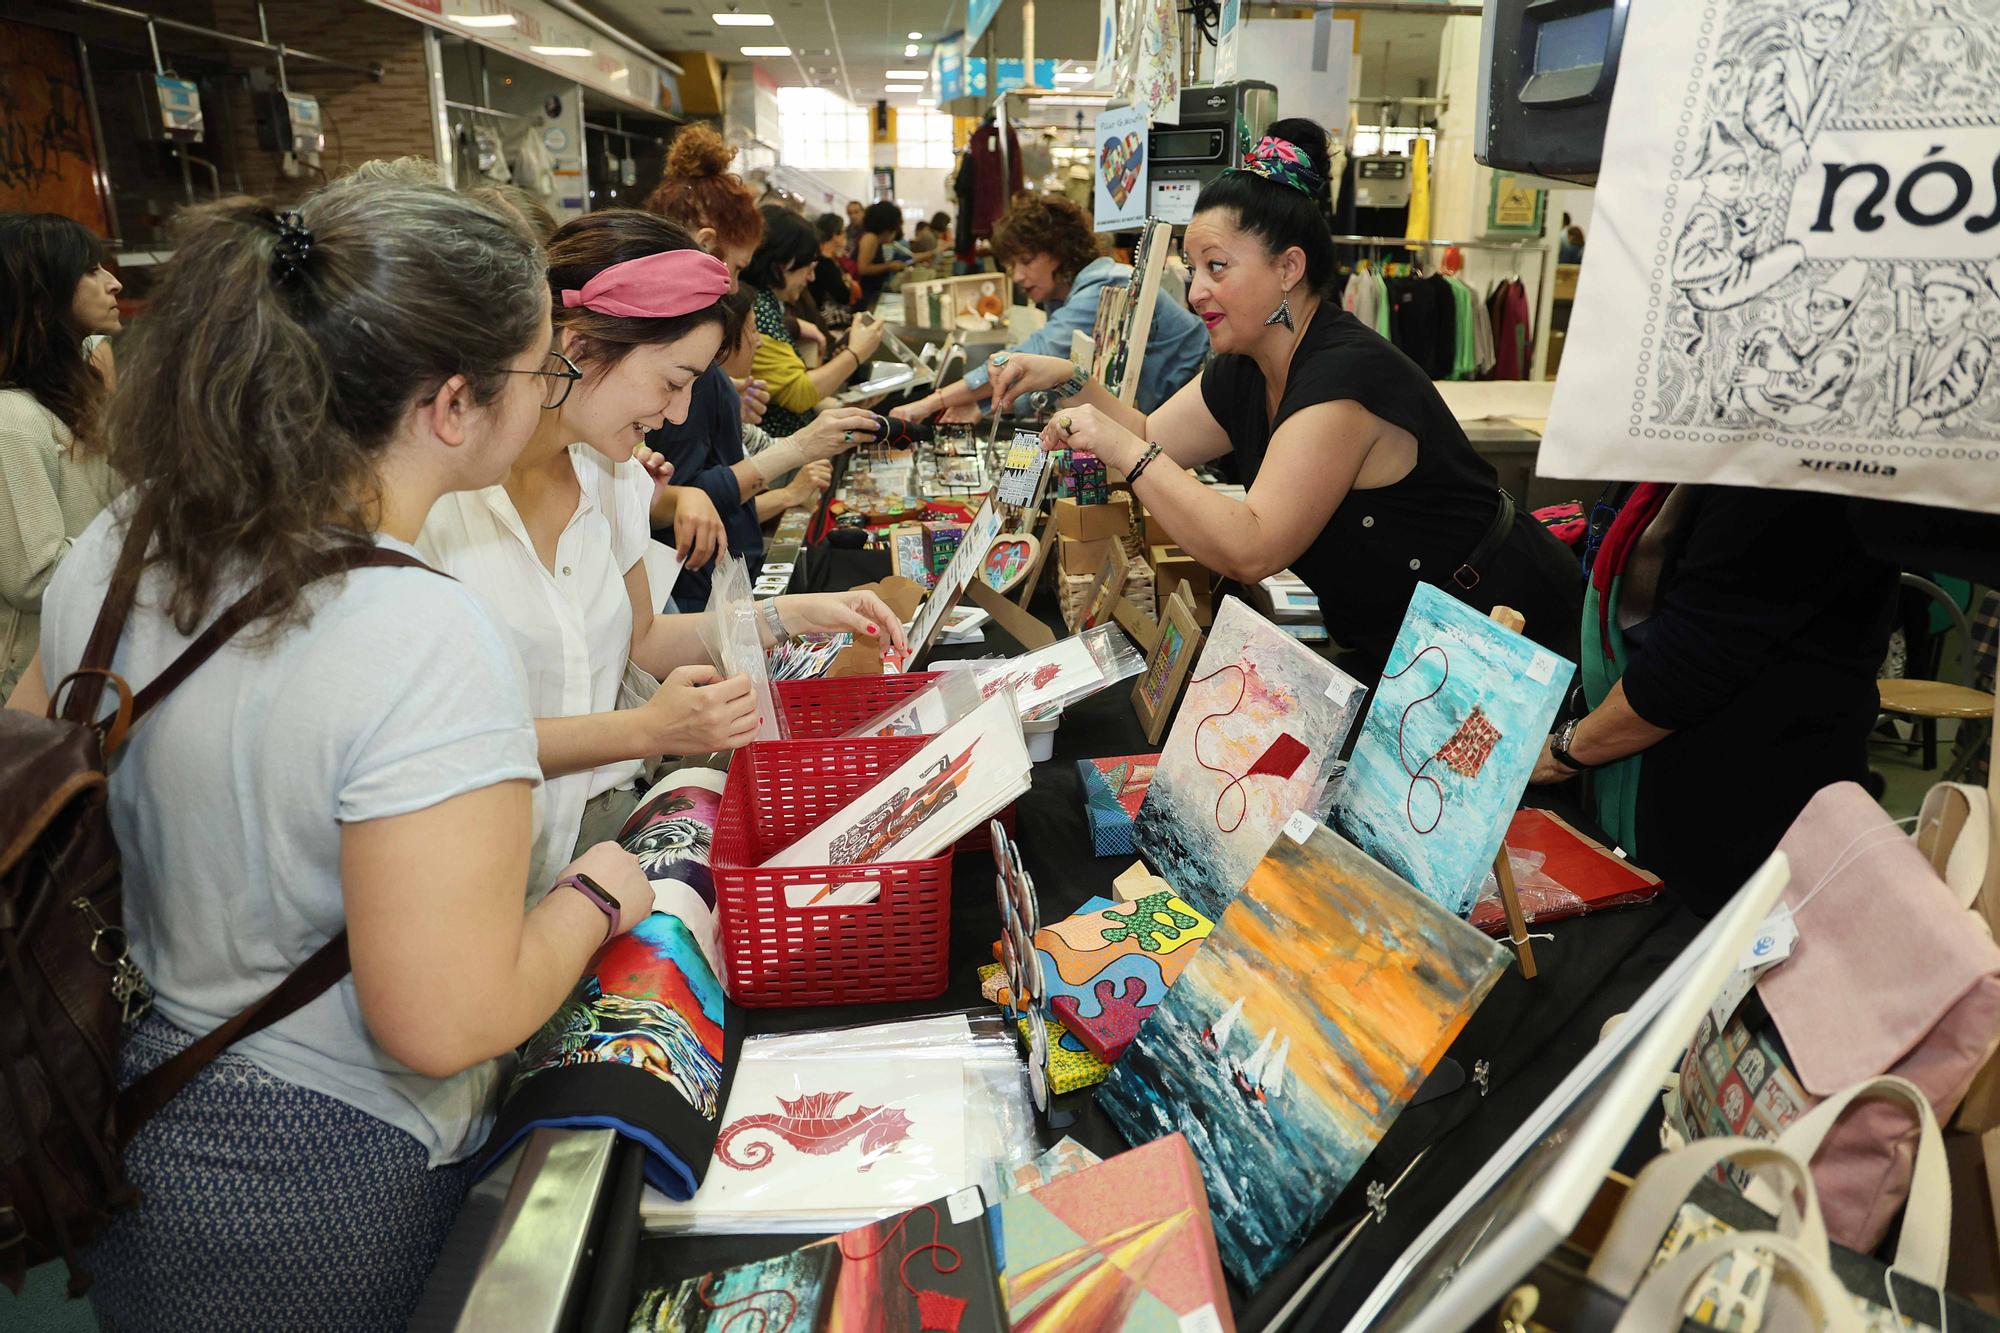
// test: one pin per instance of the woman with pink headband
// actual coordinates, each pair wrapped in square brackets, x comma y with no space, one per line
[557,551]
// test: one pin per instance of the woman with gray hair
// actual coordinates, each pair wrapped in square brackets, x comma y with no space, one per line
[360,760]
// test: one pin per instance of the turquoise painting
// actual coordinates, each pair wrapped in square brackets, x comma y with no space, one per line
[1448,745]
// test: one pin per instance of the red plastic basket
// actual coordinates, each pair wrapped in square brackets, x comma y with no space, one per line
[897,947]
[835,705]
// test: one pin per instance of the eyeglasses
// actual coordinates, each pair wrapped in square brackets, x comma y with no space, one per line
[561,374]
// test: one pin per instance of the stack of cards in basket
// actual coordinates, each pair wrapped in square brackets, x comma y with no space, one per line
[961,778]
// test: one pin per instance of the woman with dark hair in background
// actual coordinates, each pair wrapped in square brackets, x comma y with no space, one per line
[831,289]
[57,303]
[881,224]
[1051,253]
[776,275]
[556,551]
[361,759]
[1360,478]
[933,238]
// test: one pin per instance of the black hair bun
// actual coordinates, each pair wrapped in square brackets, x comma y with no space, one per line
[1309,137]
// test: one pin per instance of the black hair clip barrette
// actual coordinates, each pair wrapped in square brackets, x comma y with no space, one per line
[294,248]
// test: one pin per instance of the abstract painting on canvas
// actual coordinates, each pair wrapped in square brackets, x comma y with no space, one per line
[1296,1034]
[1263,718]
[1448,746]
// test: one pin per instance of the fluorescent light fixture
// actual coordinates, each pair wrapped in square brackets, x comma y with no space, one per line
[766,50]
[927,101]
[916,37]
[1073,76]
[582,52]
[483,20]
[906,74]
[743,20]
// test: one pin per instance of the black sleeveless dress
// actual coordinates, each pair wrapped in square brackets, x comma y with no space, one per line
[1365,564]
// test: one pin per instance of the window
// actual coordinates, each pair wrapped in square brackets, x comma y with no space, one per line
[818,129]
[923,138]
[1370,140]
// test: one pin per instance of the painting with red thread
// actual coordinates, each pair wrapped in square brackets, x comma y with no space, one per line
[1448,745]
[929,1270]
[1262,722]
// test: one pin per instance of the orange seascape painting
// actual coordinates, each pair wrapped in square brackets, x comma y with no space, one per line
[1305,1023]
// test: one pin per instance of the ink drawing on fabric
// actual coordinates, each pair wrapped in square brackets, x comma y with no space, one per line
[1124,1246]
[917,1270]
[1297,1032]
[1449,743]
[1793,282]
[1262,720]
[651,1004]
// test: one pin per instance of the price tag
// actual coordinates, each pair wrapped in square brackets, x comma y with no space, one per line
[1542,669]
[1300,827]
[1203,1320]
[1773,944]
[965,1205]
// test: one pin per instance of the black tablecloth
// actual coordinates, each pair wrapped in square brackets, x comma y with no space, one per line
[1529,1034]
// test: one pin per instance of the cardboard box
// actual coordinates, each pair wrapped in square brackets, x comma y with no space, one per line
[1075,556]
[1156,532]
[1093,522]
[1172,567]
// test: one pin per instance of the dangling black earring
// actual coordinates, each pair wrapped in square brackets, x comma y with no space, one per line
[1283,314]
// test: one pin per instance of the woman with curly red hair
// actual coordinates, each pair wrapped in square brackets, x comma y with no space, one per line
[1046,242]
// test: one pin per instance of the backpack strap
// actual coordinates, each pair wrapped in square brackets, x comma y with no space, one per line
[158,1086]
[328,964]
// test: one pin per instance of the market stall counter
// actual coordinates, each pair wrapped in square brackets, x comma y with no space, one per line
[579,1227]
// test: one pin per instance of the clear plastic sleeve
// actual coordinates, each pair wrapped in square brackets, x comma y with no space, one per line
[921,1109]
[734,640]
[1065,671]
[929,711]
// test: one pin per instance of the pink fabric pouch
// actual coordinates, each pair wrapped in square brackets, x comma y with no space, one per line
[1890,975]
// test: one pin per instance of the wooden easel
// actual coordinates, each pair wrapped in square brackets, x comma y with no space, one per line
[1503,871]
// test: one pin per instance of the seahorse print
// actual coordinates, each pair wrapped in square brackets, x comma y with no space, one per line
[811,1125]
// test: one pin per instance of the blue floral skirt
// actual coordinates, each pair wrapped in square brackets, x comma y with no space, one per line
[265,1206]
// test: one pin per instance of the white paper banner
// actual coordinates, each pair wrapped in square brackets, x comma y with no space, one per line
[1791,276]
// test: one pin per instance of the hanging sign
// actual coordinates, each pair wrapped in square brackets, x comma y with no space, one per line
[1792,283]
[1106,71]
[1228,31]
[1119,194]
[978,16]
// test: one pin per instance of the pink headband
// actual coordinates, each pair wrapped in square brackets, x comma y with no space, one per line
[673,282]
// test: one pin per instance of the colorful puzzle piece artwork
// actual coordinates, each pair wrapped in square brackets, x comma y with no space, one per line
[1106,968]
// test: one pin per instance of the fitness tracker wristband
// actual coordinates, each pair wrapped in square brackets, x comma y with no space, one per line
[1559,748]
[599,896]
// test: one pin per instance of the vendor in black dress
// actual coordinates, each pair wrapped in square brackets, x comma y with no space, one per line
[1359,477]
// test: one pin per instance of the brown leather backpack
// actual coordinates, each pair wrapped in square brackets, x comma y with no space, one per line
[67,980]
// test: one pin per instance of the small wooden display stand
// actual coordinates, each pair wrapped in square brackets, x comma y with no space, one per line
[1503,871]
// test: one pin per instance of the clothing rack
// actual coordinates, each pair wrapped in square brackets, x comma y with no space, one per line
[1432,242]
[1544,298]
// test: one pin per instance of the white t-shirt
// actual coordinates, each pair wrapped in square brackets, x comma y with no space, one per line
[228,799]
[571,625]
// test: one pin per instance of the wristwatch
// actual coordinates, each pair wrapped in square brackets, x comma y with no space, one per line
[769,609]
[599,896]
[1559,748]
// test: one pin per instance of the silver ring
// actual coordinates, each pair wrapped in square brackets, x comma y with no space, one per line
[847,437]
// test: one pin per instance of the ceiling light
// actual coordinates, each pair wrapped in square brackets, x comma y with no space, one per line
[927,101]
[909,50]
[766,50]
[1073,76]
[582,52]
[483,20]
[906,74]
[743,20]
[916,37]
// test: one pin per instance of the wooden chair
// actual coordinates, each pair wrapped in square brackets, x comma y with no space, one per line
[1926,702]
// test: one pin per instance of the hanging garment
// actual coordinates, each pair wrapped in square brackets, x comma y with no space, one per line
[1464,356]
[533,164]
[1382,325]
[1483,354]
[1444,345]
[1419,226]
[1513,332]
[989,192]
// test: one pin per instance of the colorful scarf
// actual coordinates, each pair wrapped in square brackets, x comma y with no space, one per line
[1281,161]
